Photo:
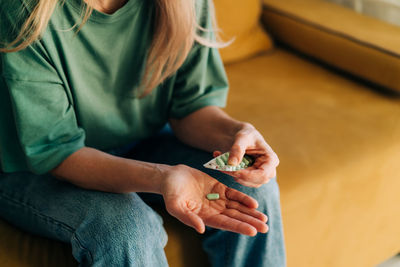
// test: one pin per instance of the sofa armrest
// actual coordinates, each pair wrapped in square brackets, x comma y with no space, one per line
[361,45]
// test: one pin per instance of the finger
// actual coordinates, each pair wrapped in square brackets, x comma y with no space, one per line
[236,195]
[254,175]
[196,222]
[271,162]
[224,222]
[251,177]
[236,174]
[241,181]
[258,224]
[243,209]
[187,217]
[269,169]
[193,220]
[255,151]
[259,160]
[248,183]
[217,153]
[231,173]
[268,162]
[237,151]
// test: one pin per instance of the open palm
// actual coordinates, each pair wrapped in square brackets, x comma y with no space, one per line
[185,190]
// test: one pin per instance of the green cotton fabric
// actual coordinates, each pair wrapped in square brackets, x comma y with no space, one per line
[71,90]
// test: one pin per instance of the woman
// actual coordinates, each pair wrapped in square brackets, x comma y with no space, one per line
[85,90]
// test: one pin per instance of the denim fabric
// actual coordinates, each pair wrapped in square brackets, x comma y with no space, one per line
[107,229]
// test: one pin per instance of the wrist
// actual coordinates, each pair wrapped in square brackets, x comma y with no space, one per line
[172,174]
[146,177]
[160,175]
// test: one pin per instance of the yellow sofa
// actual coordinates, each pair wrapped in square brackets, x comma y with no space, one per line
[337,137]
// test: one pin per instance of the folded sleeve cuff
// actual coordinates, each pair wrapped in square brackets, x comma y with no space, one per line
[217,98]
[41,163]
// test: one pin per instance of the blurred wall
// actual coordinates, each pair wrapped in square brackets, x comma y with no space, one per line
[387,10]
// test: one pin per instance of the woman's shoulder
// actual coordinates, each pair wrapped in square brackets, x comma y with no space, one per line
[14,7]
[15,10]
[13,14]
[204,9]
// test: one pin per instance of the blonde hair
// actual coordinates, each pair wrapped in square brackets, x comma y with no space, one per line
[175,32]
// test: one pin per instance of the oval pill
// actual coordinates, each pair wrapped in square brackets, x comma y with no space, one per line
[249,159]
[213,196]
[220,162]
[225,157]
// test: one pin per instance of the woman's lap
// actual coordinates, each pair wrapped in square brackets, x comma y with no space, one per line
[95,223]
[262,250]
[59,210]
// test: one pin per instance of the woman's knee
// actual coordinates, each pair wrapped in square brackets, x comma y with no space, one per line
[268,191]
[121,224]
[267,195]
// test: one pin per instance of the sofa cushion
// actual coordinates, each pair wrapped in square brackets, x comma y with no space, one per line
[21,249]
[338,143]
[361,45]
[240,20]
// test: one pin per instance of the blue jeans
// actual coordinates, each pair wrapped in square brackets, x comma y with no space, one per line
[107,229]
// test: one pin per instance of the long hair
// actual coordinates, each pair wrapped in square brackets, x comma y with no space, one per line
[175,32]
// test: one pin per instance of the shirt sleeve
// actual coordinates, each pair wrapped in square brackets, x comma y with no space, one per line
[38,126]
[201,81]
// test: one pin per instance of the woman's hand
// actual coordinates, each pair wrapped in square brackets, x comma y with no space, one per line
[185,189]
[249,141]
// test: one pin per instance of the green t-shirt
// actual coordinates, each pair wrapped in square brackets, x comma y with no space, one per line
[69,90]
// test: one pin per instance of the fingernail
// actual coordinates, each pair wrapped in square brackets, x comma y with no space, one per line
[233,162]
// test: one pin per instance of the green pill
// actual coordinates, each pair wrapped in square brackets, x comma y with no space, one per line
[220,162]
[249,159]
[225,157]
[213,196]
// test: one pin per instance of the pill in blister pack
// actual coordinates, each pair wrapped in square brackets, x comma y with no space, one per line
[221,163]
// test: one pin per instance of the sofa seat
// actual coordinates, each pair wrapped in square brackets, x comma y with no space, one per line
[338,142]
[338,145]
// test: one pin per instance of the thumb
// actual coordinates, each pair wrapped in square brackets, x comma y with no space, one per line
[193,220]
[189,218]
[236,153]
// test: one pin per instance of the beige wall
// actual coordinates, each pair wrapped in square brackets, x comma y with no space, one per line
[387,10]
